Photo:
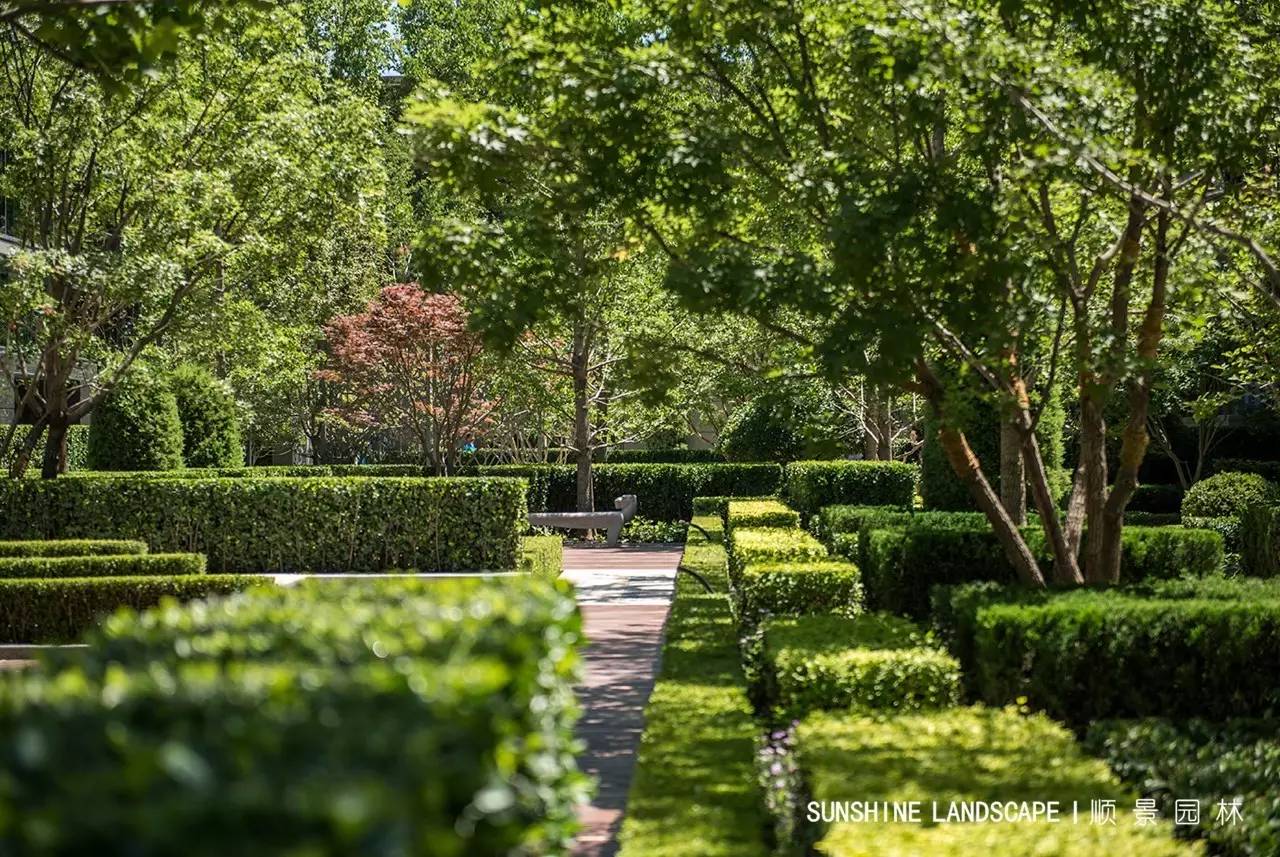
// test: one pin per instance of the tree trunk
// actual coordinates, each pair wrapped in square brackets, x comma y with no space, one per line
[1093,460]
[1013,477]
[884,427]
[582,419]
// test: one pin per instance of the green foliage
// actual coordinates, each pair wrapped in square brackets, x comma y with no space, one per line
[462,691]
[283,524]
[810,485]
[136,428]
[210,421]
[1214,762]
[642,530]
[542,556]
[1260,541]
[665,491]
[798,588]
[775,427]
[143,565]
[1268,469]
[1152,519]
[870,662]
[751,545]
[1090,655]
[966,754]
[77,451]
[719,506]
[940,489]
[760,513]
[665,456]
[700,736]
[1225,495]
[1228,528]
[899,572]
[60,610]
[73,547]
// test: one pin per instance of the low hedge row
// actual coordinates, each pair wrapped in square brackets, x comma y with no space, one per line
[666,491]
[695,792]
[993,756]
[390,718]
[267,471]
[1087,655]
[60,610]
[811,485]
[719,506]
[760,545]
[874,662]
[1210,761]
[665,456]
[542,556]
[901,565]
[73,547]
[760,513]
[284,524]
[798,588]
[142,565]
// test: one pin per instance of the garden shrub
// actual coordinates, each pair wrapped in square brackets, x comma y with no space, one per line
[694,792]
[283,524]
[1212,761]
[136,427]
[873,662]
[665,491]
[60,610]
[749,545]
[210,419]
[1228,494]
[761,513]
[940,488]
[1228,528]
[850,518]
[1085,656]
[810,485]
[778,426]
[665,456]
[542,556]
[719,506]
[73,547]
[1260,541]
[899,573]
[967,754]
[459,743]
[1152,519]
[77,451]
[143,565]
[799,588]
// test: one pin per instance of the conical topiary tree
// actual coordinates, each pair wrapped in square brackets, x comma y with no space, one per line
[136,427]
[210,420]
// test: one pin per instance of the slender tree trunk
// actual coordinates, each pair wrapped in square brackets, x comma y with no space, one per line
[1013,477]
[1093,460]
[582,418]
[22,459]
[967,468]
[884,427]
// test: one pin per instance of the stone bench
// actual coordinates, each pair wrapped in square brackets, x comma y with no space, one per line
[610,521]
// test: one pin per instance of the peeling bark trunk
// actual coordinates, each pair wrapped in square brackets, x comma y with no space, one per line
[1013,477]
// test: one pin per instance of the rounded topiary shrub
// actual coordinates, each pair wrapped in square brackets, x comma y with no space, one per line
[782,426]
[136,427]
[1228,495]
[210,421]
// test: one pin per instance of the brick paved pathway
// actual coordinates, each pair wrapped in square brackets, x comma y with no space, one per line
[624,594]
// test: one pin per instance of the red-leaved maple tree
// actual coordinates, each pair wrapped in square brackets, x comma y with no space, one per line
[409,362]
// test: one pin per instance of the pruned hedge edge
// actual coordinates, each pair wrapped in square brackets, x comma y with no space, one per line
[126,565]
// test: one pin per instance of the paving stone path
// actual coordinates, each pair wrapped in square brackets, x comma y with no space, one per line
[624,593]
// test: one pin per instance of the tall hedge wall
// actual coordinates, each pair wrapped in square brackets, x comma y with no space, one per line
[285,525]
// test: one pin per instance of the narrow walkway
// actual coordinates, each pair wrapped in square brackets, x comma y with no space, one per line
[624,594]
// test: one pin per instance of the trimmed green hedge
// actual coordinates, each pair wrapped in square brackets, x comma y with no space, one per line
[388,717]
[799,588]
[283,524]
[1209,761]
[665,456]
[695,792]
[749,545]
[143,565]
[873,662]
[665,491]
[60,610]
[1084,656]
[761,513]
[810,485]
[899,571]
[297,471]
[74,547]
[719,506]
[542,556]
[1226,495]
[1260,541]
[968,754]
